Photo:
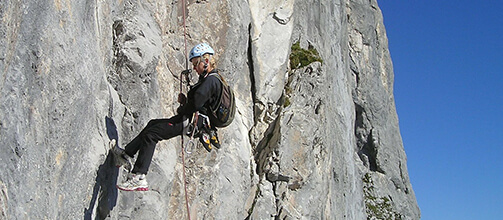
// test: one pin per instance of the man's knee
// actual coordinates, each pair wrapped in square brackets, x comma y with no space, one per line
[152,122]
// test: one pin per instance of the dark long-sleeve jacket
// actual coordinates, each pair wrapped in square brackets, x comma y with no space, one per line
[202,95]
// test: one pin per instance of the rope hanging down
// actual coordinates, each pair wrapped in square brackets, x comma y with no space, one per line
[181,91]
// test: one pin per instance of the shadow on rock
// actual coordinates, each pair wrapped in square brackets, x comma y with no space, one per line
[105,190]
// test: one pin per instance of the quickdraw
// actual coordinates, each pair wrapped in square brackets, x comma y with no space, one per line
[192,131]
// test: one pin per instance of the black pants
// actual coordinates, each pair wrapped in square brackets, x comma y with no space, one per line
[155,131]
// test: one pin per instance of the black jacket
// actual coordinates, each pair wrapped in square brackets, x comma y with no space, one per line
[202,95]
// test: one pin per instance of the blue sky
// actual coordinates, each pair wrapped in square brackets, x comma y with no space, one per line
[448,65]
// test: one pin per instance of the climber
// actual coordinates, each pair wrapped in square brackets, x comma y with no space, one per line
[202,97]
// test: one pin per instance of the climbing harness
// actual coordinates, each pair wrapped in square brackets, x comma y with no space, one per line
[200,128]
[192,131]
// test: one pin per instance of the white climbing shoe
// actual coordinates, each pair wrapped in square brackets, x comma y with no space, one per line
[134,182]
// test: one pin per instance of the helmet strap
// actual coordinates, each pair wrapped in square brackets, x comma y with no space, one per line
[205,70]
[206,61]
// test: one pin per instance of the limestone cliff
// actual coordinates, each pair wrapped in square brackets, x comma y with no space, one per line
[315,136]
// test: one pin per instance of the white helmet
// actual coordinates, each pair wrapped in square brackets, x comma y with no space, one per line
[200,50]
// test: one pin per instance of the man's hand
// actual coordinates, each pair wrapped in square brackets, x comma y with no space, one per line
[182,99]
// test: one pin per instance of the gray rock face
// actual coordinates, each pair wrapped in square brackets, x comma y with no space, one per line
[313,141]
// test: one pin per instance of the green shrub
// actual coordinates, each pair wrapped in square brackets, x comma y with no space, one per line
[300,57]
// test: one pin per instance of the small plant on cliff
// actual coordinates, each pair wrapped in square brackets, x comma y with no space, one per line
[300,57]
[377,207]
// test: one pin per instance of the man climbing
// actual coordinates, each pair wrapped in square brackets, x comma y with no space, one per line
[197,107]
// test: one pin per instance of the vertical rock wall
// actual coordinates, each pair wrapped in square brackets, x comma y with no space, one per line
[313,141]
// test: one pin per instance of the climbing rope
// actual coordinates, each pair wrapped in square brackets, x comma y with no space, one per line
[181,91]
